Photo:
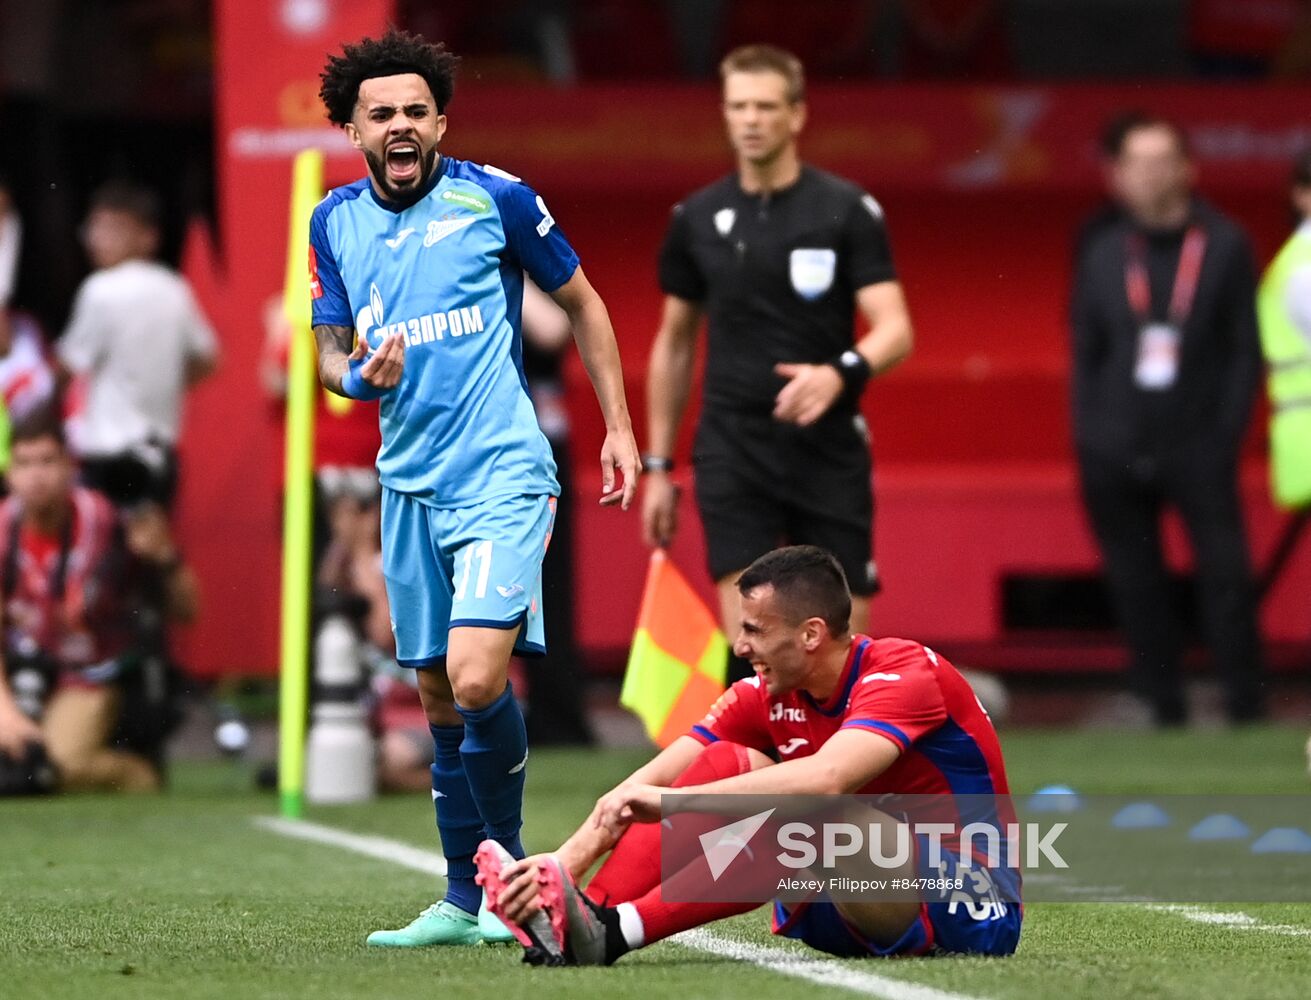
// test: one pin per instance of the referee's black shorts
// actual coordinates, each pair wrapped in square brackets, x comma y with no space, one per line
[761,483]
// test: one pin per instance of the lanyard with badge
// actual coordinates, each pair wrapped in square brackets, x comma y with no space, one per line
[1157,365]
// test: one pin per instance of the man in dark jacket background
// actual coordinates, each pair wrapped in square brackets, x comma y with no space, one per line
[1166,366]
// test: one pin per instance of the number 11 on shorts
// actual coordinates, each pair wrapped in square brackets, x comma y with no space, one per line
[482,551]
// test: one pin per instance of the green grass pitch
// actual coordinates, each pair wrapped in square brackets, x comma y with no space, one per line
[181,896]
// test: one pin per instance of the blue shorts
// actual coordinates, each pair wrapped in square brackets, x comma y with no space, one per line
[475,566]
[977,920]
[948,928]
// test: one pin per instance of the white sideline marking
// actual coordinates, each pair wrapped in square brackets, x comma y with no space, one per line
[1230,920]
[375,847]
[824,972]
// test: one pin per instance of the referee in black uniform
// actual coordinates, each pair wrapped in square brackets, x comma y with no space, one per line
[778,257]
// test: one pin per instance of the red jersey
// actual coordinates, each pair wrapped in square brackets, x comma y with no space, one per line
[75,616]
[901,690]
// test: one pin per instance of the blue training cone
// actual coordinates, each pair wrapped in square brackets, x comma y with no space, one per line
[1220,826]
[1140,816]
[1283,840]
[1055,799]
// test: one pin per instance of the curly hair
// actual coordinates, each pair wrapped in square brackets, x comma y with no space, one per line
[394,53]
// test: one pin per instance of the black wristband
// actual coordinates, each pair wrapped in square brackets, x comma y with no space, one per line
[854,370]
[657,463]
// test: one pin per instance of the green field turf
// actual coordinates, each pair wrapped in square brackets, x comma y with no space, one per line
[181,896]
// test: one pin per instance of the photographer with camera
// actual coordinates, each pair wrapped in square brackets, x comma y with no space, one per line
[77,578]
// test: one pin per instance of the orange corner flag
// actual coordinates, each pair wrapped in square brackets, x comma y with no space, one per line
[679,659]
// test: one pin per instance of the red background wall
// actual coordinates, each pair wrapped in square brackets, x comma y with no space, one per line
[983,189]
[974,468]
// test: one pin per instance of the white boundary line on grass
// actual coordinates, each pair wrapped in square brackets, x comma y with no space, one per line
[823,972]
[375,847]
[1229,920]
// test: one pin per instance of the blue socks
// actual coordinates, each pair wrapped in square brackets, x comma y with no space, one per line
[458,821]
[477,790]
[494,753]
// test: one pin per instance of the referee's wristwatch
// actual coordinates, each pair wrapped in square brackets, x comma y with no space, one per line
[657,463]
[854,371]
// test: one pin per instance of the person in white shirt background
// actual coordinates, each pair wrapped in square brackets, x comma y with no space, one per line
[136,342]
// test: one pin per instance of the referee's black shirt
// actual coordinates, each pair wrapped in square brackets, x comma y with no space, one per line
[776,274]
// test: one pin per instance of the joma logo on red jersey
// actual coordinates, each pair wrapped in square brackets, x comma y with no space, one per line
[778,712]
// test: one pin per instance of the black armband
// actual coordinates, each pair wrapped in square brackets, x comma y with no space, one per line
[855,372]
[657,463]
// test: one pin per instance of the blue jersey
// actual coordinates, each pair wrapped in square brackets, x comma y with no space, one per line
[446,273]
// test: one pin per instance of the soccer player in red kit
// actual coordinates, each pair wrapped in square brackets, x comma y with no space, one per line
[842,714]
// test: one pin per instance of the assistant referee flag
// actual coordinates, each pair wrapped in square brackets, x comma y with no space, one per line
[679,659]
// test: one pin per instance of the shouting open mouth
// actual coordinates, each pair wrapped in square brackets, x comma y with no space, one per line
[402,159]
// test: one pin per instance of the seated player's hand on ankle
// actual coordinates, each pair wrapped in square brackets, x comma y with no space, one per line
[520,898]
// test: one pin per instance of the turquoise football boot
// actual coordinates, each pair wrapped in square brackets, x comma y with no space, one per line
[441,923]
[491,928]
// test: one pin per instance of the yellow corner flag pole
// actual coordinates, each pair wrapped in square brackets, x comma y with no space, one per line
[297,511]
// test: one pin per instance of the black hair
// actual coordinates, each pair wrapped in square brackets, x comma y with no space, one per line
[394,53]
[1111,140]
[1117,131]
[1302,168]
[37,425]
[808,582]
[131,199]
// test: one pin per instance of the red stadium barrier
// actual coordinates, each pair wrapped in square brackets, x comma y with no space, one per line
[948,535]
[983,189]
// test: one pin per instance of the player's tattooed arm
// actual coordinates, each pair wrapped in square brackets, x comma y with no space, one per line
[335,345]
[372,374]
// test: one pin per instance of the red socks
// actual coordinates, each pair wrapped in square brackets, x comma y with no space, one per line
[660,919]
[632,868]
[632,872]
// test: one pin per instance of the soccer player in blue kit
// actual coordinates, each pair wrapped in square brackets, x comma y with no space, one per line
[417,286]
